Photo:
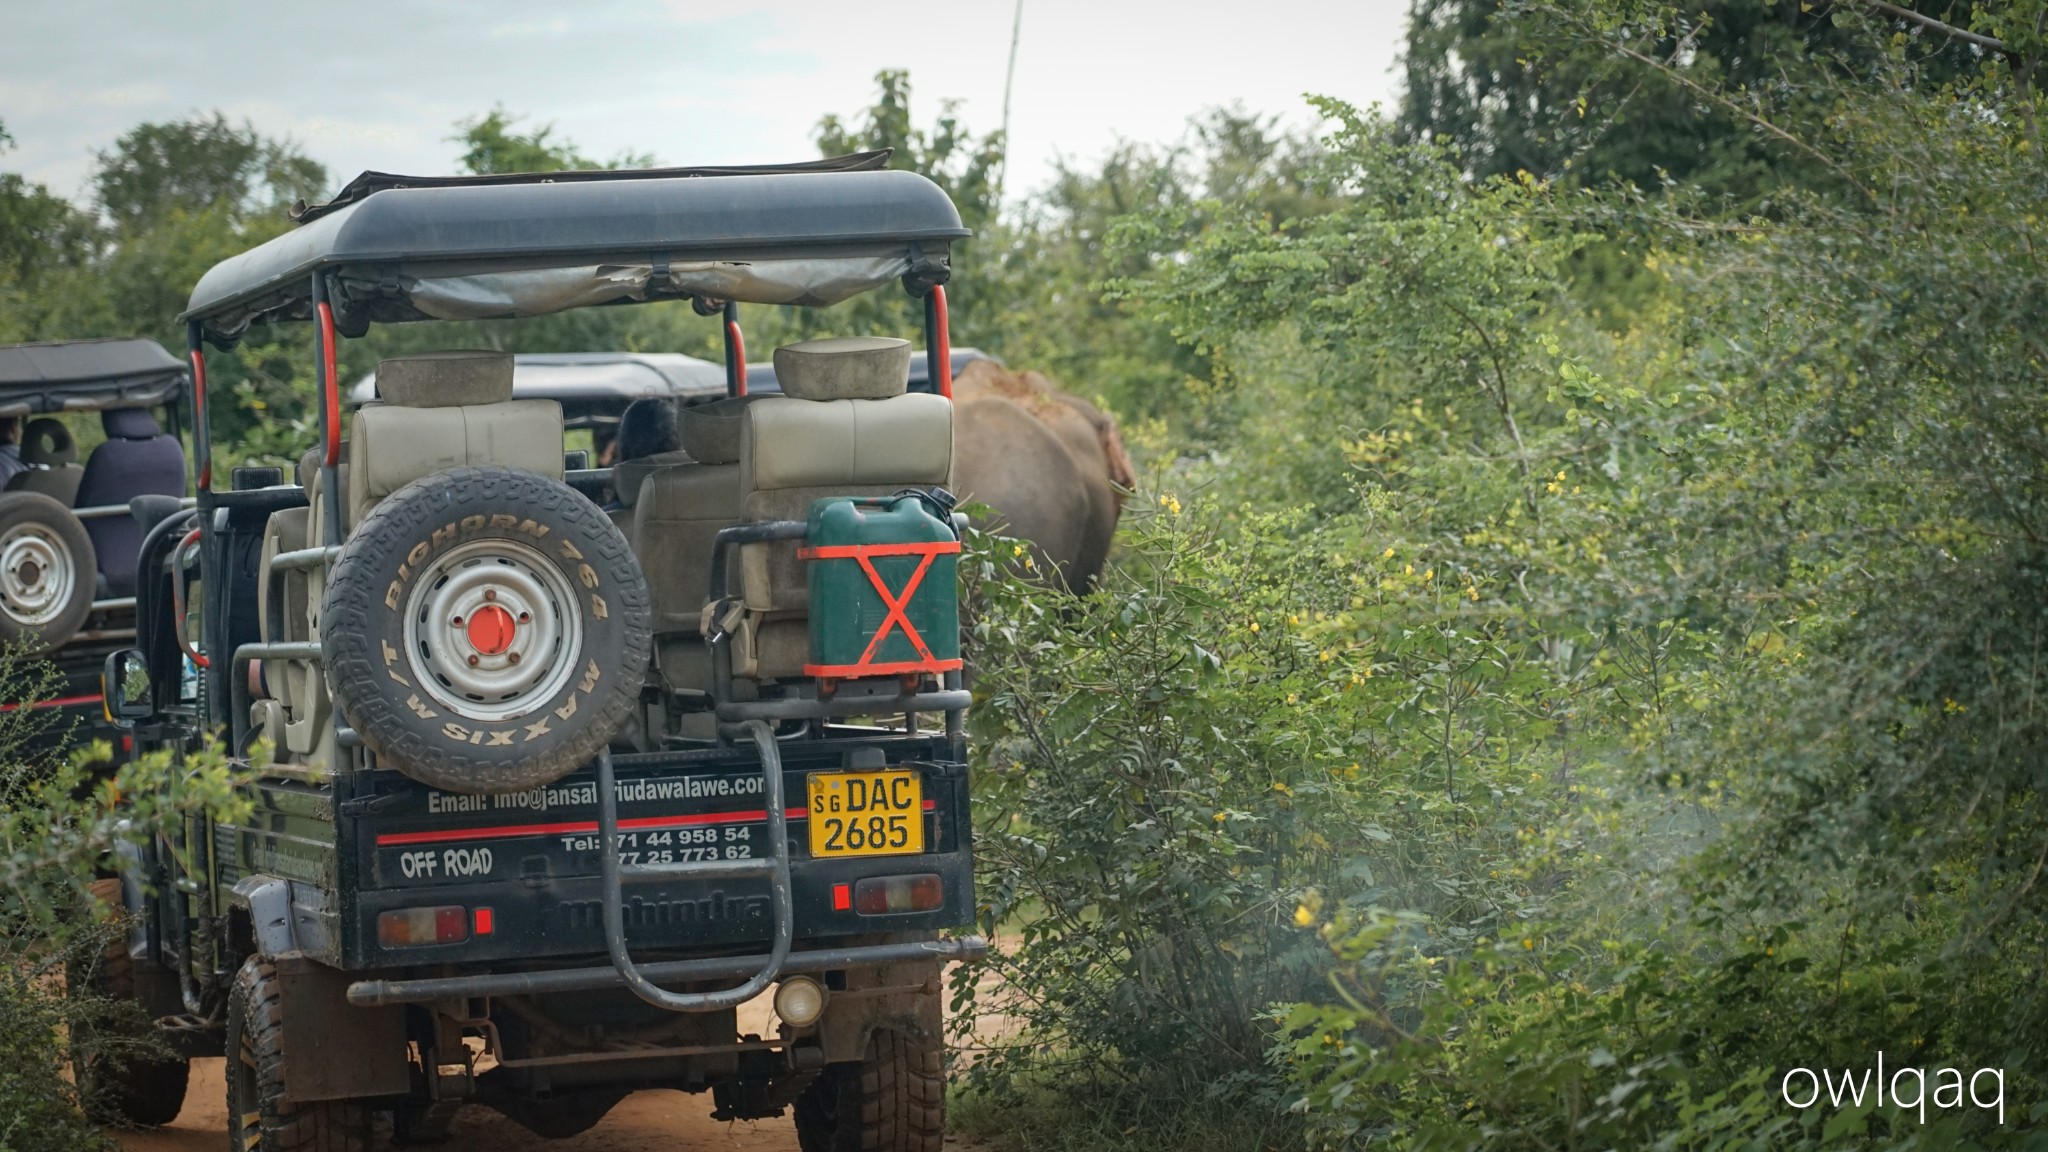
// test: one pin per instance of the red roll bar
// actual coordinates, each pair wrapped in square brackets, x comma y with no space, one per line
[938,341]
[330,389]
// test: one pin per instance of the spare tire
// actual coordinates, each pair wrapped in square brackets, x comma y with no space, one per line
[486,630]
[48,571]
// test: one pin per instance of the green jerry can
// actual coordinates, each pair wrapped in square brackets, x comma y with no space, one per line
[884,594]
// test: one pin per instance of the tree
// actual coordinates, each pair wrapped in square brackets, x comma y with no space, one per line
[492,147]
[1528,87]
[966,166]
[44,239]
[200,165]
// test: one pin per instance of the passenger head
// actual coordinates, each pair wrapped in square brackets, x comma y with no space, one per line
[647,428]
[10,429]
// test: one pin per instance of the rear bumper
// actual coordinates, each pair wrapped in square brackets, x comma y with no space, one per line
[375,993]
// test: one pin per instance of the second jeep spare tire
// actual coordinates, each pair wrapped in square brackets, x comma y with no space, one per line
[486,630]
[48,571]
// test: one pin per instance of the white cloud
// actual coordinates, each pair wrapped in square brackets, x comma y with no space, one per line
[738,81]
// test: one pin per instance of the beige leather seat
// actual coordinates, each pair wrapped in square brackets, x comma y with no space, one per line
[678,509]
[439,410]
[844,426]
[442,410]
[628,476]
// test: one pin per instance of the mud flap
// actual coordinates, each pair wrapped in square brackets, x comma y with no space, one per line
[334,1050]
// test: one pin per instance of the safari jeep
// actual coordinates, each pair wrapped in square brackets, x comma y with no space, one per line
[68,541]
[545,792]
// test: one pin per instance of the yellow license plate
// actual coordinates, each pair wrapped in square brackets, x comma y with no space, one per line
[866,813]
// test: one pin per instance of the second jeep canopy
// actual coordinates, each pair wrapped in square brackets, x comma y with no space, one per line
[87,375]
[494,250]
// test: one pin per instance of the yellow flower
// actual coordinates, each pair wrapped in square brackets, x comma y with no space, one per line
[1387,555]
[1408,570]
[1293,698]
[1303,917]
[1429,574]
[1528,945]
[1222,816]
[1255,625]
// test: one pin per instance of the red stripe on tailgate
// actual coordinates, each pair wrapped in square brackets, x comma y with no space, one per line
[577,827]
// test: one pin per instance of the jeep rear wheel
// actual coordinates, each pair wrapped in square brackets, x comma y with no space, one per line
[893,1101]
[486,630]
[117,1074]
[260,1119]
[48,571]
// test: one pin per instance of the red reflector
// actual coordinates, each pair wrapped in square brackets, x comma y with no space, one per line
[842,897]
[127,743]
[483,921]
[412,927]
[891,895]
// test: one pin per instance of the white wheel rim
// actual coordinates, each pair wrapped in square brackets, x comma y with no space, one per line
[492,630]
[37,575]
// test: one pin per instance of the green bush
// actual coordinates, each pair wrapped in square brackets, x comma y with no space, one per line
[59,825]
[1176,772]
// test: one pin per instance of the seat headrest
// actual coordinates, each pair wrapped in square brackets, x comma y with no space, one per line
[844,368]
[629,475]
[445,379]
[47,442]
[129,424]
[711,432]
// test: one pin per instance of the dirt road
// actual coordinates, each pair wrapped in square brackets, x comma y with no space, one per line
[657,1121]
[643,1122]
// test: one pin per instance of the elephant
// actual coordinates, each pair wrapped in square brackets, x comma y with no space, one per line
[1051,465]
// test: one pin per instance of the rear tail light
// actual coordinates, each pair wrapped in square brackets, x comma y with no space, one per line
[412,927]
[890,895]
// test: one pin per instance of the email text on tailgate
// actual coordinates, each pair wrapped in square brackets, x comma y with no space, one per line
[583,794]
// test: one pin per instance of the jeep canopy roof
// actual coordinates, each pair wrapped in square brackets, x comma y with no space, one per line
[87,375]
[487,248]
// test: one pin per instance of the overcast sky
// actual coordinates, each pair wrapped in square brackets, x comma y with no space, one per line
[380,84]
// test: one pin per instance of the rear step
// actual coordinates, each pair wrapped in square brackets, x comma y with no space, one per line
[775,866]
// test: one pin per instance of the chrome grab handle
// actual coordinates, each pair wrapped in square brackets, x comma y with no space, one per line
[775,867]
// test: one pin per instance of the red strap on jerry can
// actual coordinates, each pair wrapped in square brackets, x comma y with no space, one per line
[896,603]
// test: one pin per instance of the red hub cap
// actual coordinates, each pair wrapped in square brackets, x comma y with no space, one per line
[491,629]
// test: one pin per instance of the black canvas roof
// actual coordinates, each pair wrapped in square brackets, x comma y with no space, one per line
[469,250]
[369,182]
[86,375]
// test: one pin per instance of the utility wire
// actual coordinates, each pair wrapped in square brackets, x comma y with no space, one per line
[1009,77]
